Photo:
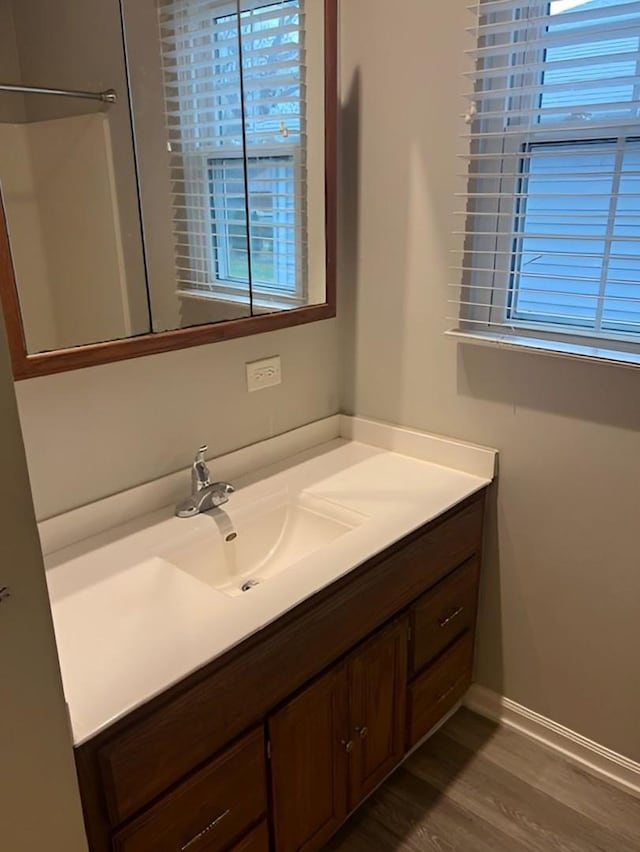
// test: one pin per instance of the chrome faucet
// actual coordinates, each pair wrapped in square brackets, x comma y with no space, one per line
[205,494]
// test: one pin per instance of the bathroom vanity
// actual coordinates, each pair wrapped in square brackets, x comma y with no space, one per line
[272,742]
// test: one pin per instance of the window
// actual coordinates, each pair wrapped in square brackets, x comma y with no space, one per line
[552,216]
[236,112]
[274,248]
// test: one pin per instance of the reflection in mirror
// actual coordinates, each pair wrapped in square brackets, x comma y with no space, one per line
[274,79]
[232,157]
[200,50]
[194,195]
[67,174]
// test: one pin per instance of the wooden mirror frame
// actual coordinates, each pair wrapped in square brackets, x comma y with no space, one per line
[26,366]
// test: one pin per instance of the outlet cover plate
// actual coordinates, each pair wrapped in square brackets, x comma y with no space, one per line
[264,374]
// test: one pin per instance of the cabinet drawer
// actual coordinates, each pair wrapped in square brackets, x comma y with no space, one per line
[255,841]
[443,614]
[210,810]
[433,693]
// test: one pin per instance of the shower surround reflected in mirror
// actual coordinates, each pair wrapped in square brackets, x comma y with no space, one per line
[200,205]
[68,176]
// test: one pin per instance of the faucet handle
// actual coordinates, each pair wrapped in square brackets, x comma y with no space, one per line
[200,476]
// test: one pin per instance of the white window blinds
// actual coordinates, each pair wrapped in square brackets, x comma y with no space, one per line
[235,103]
[552,212]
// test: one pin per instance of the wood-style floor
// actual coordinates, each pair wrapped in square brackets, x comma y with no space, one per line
[474,787]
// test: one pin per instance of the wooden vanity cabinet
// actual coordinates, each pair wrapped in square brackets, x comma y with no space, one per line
[271,746]
[336,741]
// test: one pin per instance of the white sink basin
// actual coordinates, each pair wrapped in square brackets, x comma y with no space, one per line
[234,549]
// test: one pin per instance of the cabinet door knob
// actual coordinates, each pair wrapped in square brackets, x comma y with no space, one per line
[5,594]
[348,745]
[363,731]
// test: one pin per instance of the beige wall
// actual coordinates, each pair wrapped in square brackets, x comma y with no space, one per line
[27,241]
[39,803]
[95,432]
[559,626]
[12,106]
[58,191]
[74,191]
[154,161]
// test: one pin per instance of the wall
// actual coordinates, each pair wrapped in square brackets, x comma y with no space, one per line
[95,432]
[154,161]
[27,243]
[559,623]
[74,192]
[39,802]
[12,107]
[59,198]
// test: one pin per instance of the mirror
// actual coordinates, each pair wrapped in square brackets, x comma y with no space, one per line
[174,184]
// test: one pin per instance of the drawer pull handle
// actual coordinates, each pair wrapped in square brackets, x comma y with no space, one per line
[452,617]
[446,693]
[204,831]
[348,745]
[363,732]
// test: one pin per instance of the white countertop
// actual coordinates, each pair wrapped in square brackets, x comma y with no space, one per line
[129,625]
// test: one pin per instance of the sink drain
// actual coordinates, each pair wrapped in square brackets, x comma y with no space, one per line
[250,584]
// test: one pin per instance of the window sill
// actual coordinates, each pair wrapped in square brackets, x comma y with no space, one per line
[262,306]
[576,351]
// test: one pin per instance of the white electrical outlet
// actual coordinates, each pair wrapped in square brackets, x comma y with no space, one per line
[264,374]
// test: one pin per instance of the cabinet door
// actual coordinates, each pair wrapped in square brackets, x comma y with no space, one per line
[377,676]
[309,751]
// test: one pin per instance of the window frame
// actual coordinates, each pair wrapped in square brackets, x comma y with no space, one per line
[492,303]
[199,276]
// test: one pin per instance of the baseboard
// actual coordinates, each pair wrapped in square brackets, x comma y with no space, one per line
[600,761]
